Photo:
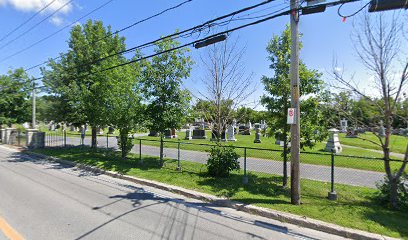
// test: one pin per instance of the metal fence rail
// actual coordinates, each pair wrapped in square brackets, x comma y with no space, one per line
[255,163]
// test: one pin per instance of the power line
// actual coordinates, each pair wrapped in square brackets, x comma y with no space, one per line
[28,20]
[55,33]
[217,34]
[118,31]
[193,42]
[207,23]
[36,25]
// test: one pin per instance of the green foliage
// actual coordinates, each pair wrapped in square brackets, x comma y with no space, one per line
[14,101]
[384,193]
[125,143]
[277,100]
[222,161]
[84,97]
[167,101]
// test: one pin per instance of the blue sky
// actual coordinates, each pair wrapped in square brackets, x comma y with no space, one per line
[325,35]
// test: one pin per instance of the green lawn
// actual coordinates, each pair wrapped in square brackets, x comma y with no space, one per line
[274,152]
[398,144]
[355,207]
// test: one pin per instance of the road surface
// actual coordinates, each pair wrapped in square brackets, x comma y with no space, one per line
[43,200]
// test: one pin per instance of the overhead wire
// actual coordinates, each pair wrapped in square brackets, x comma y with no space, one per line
[353,14]
[26,21]
[121,30]
[36,25]
[196,41]
[55,33]
[177,35]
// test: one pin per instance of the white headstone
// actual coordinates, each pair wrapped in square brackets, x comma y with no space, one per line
[343,125]
[231,133]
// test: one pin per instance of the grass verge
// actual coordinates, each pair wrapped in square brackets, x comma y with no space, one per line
[355,208]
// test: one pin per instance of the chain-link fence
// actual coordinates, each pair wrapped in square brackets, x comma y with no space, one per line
[256,164]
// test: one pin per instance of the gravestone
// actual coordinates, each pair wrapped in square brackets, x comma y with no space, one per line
[199,134]
[167,133]
[343,125]
[52,126]
[189,134]
[333,143]
[249,125]
[231,133]
[214,135]
[381,131]
[351,133]
[153,133]
[257,136]
[72,128]
[111,130]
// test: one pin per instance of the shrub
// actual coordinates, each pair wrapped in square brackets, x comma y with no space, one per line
[222,161]
[125,144]
[402,189]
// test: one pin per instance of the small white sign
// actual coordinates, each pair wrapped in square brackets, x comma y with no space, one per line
[291,116]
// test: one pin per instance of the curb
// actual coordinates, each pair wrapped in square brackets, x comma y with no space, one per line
[268,213]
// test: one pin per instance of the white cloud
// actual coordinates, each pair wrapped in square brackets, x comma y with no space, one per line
[36,5]
[57,21]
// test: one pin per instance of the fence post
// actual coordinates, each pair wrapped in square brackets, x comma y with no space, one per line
[65,138]
[18,137]
[332,195]
[245,178]
[178,157]
[107,140]
[140,151]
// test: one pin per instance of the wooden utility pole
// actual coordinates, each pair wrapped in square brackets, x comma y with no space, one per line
[295,129]
[33,117]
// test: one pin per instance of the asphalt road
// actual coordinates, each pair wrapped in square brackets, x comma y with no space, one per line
[347,176]
[43,200]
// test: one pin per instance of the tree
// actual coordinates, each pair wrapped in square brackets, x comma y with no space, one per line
[377,43]
[227,86]
[76,79]
[277,99]
[126,110]
[167,102]
[14,91]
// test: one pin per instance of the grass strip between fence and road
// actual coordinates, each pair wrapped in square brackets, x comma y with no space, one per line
[355,208]
[358,161]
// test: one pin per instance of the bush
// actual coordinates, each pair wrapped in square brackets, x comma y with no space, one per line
[125,144]
[384,191]
[222,161]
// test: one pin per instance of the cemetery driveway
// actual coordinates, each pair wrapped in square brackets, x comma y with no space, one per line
[347,176]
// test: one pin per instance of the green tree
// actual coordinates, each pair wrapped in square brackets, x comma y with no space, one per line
[84,97]
[277,99]
[167,102]
[126,110]
[14,91]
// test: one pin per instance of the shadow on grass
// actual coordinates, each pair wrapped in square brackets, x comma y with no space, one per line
[263,189]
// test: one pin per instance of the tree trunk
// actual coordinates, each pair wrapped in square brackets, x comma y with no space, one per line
[93,141]
[123,140]
[161,151]
[394,192]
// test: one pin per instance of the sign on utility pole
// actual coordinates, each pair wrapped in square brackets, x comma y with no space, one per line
[291,116]
[295,128]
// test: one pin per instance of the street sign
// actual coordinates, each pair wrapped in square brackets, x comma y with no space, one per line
[291,116]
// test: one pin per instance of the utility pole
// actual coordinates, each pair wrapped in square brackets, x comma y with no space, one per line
[294,82]
[33,117]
